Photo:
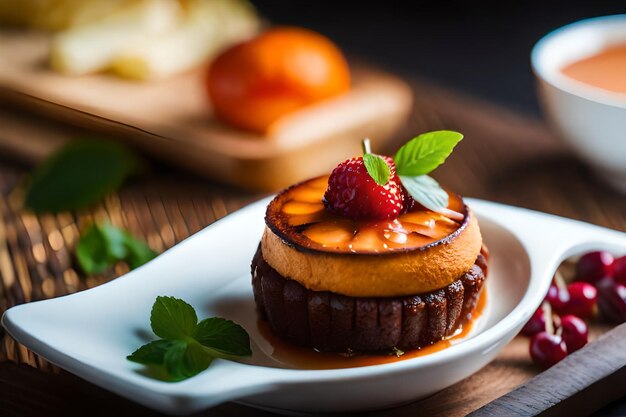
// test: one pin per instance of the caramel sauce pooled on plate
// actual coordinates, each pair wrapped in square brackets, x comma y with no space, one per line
[606,70]
[305,358]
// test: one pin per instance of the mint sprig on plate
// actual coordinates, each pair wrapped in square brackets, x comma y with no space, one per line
[187,347]
[417,158]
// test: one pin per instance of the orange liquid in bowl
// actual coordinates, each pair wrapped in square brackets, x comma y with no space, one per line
[606,70]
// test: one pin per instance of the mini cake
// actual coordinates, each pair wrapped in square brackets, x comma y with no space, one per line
[356,262]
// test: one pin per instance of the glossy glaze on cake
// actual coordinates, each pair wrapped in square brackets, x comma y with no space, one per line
[298,216]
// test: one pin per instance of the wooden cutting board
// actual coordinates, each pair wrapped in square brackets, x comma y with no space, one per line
[172,119]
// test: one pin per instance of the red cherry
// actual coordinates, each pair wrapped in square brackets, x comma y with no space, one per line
[547,349]
[582,300]
[619,270]
[578,298]
[594,266]
[558,297]
[612,300]
[575,332]
[536,324]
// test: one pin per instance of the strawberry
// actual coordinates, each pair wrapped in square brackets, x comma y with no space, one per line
[353,193]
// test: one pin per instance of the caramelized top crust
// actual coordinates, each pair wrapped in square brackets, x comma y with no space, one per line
[419,252]
[298,216]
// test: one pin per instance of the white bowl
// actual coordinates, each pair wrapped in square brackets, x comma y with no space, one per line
[592,120]
[91,332]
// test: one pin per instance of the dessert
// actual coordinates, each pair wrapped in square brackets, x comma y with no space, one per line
[356,262]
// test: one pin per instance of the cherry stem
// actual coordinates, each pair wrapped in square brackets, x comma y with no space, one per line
[559,280]
[365,145]
[559,327]
[560,283]
[547,314]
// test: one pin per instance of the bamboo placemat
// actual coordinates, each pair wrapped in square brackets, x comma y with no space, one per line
[504,157]
[36,252]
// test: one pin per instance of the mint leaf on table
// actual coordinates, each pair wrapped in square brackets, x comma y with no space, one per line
[78,175]
[99,248]
[425,152]
[138,252]
[377,168]
[420,156]
[102,245]
[188,347]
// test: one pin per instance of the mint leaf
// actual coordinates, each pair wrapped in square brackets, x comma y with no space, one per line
[174,360]
[181,359]
[377,168]
[152,353]
[197,359]
[138,252]
[78,175]
[223,337]
[103,245]
[114,239]
[172,318]
[426,191]
[424,153]
[187,347]
[100,247]
[93,251]
[186,359]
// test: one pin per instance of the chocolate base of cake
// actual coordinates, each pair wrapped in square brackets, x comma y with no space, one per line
[337,323]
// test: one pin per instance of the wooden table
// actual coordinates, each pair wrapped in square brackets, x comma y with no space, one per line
[505,157]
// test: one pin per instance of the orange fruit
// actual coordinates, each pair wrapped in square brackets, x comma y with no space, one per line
[253,84]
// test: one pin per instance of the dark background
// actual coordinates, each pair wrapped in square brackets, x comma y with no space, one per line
[479,47]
